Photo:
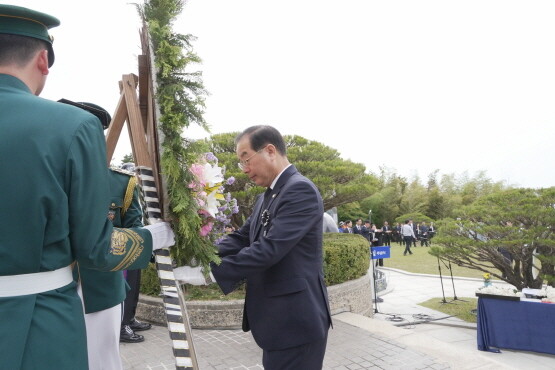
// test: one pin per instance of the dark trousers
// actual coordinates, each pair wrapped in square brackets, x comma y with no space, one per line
[306,357]
[130,304]
[408,242]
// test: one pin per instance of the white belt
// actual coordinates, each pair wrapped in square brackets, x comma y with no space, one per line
[39,282]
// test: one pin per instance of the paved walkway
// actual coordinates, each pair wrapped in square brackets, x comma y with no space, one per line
[396,338]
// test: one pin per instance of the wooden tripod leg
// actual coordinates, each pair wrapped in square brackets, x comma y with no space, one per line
[115,128]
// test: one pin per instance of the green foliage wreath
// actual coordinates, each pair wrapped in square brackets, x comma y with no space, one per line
[180,98]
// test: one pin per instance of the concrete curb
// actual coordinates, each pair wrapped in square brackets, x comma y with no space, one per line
[437,276]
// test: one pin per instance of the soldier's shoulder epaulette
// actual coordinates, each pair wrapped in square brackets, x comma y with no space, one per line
[122,171]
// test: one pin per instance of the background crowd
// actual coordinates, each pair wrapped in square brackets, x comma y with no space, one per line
[423,232]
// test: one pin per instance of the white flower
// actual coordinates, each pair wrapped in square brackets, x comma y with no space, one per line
[212,203]
[496,290]
[212,174]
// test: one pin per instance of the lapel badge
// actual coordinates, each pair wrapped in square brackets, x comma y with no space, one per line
[265,218]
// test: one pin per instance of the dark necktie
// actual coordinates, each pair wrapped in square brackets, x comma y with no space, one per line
[267,194]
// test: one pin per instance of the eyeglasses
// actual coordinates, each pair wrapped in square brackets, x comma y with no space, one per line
[245,162]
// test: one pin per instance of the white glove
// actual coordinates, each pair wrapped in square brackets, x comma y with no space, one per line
[190,275]
[162,235]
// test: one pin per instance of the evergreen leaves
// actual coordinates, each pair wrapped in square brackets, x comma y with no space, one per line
[180,95]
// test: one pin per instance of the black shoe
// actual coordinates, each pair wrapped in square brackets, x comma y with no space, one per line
[127,335]
[136,325]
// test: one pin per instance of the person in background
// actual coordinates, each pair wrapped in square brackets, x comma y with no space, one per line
[397,233]
[358,226]
[366,231]
[416,230]
[423,234]
[431,232]
[386,234]
[342,227]
[376,241]
[408,236]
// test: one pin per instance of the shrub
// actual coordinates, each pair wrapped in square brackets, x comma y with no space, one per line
[150,284]
[346,257]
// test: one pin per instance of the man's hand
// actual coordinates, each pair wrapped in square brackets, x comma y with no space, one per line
[162,235]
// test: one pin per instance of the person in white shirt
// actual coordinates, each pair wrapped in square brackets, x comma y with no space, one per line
[408,236]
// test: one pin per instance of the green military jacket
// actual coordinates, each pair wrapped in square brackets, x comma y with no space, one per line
[55,190]
[102,290]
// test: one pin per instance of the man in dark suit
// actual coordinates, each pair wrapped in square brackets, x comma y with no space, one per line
[278,251]
[423,233]
[358,226]
[366,231]
[386,234]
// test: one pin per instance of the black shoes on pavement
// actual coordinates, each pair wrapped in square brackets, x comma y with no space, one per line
[127,335]
[136,325]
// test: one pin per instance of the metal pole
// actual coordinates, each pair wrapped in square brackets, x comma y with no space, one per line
[374,281]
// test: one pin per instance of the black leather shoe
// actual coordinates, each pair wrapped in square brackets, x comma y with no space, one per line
[127,335]
[136,325]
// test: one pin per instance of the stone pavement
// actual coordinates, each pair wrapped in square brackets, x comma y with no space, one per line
[349,347]
[425,339]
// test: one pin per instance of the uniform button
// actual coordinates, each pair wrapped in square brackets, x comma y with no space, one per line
[113,204]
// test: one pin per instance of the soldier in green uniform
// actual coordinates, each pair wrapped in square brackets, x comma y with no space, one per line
[103,292]
[55,191]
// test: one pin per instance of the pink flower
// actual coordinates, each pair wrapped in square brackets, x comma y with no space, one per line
[205,229]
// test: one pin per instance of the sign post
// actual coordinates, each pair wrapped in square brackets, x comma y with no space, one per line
[377,253]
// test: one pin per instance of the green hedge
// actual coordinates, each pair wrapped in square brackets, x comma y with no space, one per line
[150,284]
[346,257]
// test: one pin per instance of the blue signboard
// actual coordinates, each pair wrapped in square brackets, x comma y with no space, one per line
[380,252]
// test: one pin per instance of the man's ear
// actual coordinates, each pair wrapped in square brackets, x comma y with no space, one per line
[271,149]
[42,62]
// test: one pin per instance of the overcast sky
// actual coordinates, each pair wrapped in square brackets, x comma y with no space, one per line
[410,85]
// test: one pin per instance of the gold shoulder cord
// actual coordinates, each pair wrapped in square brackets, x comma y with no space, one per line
[128,198]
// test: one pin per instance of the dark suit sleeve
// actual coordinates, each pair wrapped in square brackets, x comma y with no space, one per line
[293,216]
[235,241]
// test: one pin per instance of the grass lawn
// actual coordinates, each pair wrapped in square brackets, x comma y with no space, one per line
[210,293]
[460,309]
[422,262]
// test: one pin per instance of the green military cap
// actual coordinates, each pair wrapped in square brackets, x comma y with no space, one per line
[16,20]
[100,113]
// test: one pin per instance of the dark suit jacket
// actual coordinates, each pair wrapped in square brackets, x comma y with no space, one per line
[357,231]
[366,232]
[286,303]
